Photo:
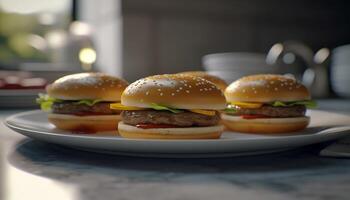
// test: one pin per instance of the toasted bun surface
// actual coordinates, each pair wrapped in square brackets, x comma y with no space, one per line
[221,84]
[264,125]
[174,90]
[86,124]
[266,88]
[87,86]
[211,132]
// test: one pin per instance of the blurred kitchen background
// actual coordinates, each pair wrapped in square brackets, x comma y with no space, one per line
[43,40]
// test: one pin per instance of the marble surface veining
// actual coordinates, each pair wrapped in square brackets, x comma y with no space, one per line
[298,174]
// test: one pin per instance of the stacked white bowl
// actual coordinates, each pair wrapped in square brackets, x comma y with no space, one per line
[232,66]
[340,71]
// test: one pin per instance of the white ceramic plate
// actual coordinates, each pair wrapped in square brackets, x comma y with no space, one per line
[324,126]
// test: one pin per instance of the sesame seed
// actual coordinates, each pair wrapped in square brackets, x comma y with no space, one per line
[187,91]
[276,89]
[161,94]
[172,94]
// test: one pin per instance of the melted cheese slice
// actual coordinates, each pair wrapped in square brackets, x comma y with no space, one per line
[119,106]
[247,104]
[203,112]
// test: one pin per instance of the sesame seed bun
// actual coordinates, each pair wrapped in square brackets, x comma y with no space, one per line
[265,125]
[221,84]
[87,86]
[86,124]
[266,88]
[175,91]
[211,132]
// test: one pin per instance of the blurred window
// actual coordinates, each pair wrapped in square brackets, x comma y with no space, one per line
[25,27]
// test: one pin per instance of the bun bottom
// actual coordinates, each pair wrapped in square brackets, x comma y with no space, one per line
[211,132]
[265,125]
[84,124]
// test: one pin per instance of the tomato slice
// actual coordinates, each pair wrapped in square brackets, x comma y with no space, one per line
[254,116]
[148,126]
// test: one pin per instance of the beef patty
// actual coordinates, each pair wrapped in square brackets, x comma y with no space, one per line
[272,111]
[184,119]
[71,107]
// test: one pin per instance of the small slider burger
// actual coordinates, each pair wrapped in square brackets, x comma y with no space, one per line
[221,84]
[171,106]
[80,102]
[266,103]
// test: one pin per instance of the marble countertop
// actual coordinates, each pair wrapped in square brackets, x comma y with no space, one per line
[36,170]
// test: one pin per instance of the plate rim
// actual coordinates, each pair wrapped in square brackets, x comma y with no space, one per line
[327,131]
[206,148]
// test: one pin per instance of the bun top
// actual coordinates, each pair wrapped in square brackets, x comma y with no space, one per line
[265,88]
[175,91]
[221,84]
[87,86]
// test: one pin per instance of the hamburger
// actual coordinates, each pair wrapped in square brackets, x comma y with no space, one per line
[266,103]
[171,106]
[80,102]
[221,84]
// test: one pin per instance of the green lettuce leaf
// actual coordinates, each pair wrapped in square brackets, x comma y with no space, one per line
[278,104]
[230,109]
[306,103]
[45,101]
[159,107]
[89,102]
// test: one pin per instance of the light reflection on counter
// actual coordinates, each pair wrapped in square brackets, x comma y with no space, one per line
[18,184]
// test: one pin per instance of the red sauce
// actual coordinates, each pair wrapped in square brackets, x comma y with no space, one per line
[148,126]
[254,116]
